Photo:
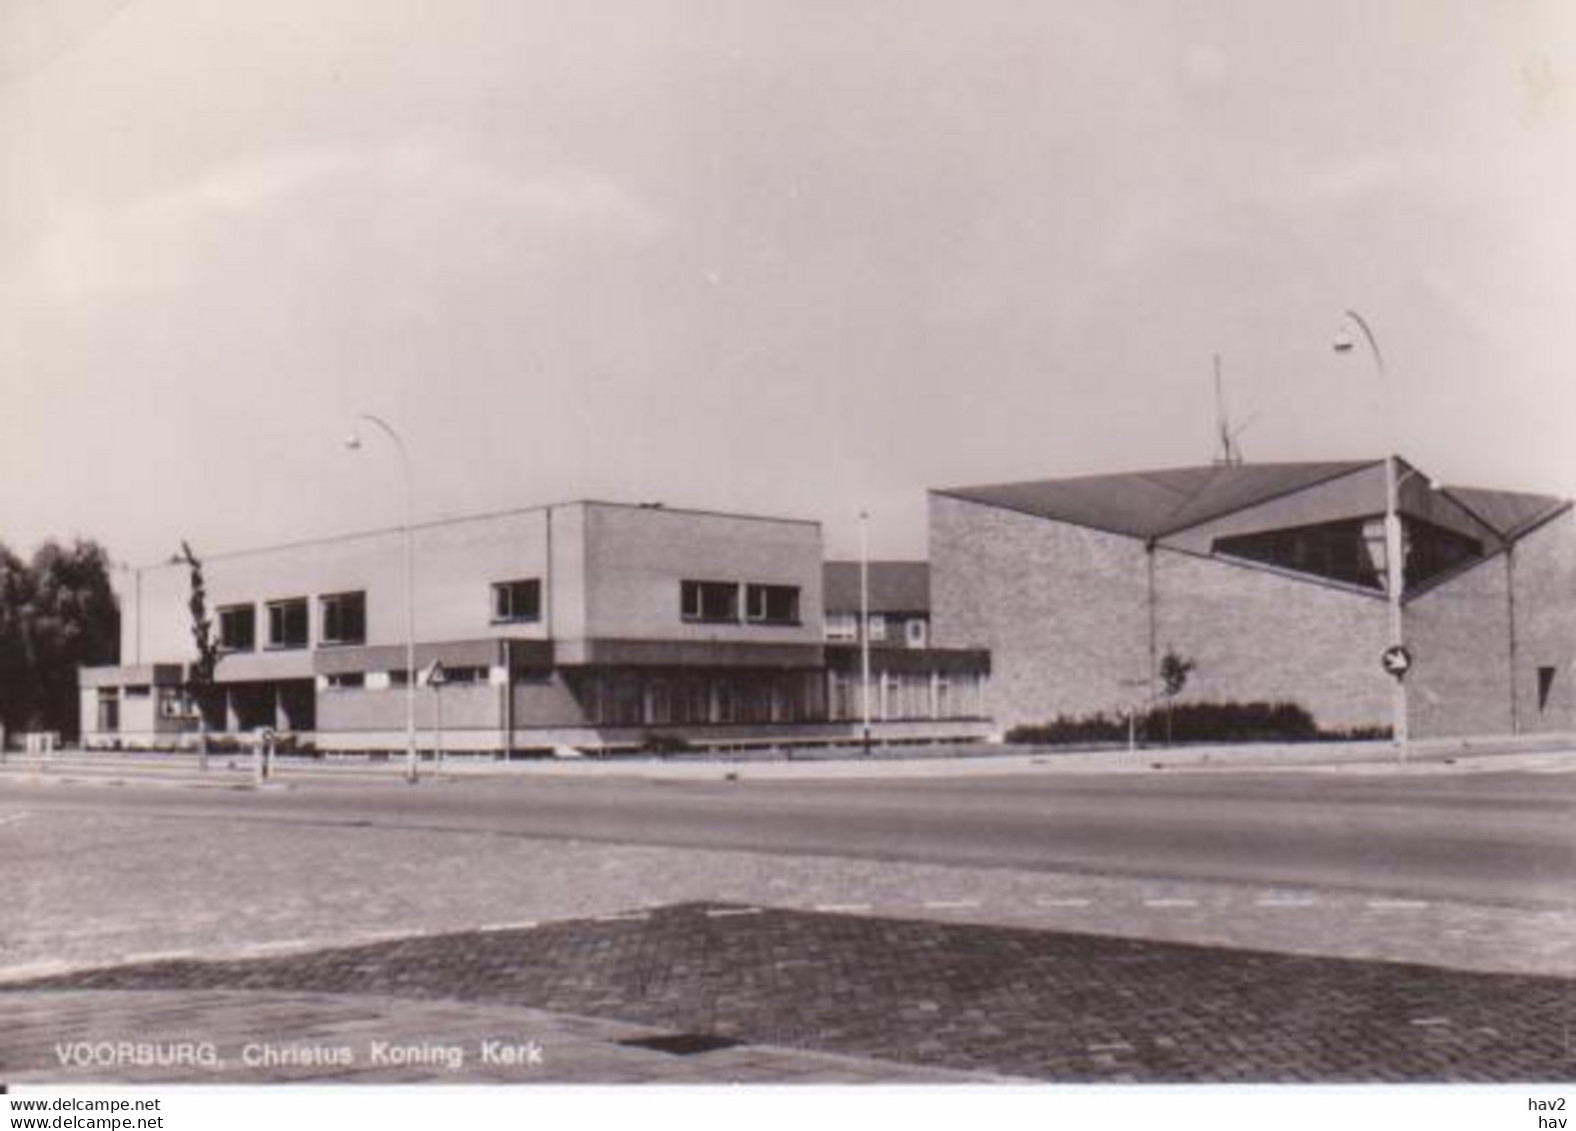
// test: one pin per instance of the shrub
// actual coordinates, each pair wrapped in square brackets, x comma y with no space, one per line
[1185,722]
[1066,731]
[1241,722]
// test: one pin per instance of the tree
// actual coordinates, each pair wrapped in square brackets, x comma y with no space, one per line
[57,613]
[1174,671]
[16,669]
[199,680]
[74,623]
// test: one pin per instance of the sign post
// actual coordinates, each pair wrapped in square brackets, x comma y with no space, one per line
[263,755]
[1397,661]
[436,678]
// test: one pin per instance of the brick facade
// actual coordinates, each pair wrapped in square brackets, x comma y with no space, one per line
[1061,608]
[1459,635]
[1543,572]
[1077,620]
[1257,634]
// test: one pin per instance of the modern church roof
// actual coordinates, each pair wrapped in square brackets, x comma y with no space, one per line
[1152,504]
[1511,513]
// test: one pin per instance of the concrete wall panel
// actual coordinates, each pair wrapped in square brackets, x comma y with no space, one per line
[637,557]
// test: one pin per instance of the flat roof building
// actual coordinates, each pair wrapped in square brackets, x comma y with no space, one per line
[582,624]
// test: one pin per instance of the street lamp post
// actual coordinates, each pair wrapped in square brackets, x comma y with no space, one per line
[864,623]
[1394,542]
[354,444]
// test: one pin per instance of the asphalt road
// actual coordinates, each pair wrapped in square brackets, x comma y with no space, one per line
[1496,838]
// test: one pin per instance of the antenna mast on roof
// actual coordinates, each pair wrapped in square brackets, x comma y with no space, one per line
[1230,454]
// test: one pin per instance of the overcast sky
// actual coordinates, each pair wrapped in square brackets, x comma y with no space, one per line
[789,258]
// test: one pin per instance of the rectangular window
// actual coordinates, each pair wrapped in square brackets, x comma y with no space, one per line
[287,623]
[517,601]
[345,681]
[842,626]
[137,691]
[915,632]
[463,674]
[238,628]
[772,604]
[878,626]
[108,710]
[713,602]
[1545,685]
[344,619]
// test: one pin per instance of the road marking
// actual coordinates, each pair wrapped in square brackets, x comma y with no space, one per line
[281,944]
[12,819]
[1114,1046]
[1048,901]
[158,956]
[950,904]
[1396,904]
[838,908]
[522,925]
[1430,1021]
[1285,901]
[726,912]
[1170,903]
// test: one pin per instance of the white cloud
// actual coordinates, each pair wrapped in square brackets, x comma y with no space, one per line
[399,193]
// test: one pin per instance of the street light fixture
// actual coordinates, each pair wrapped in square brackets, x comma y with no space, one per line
[354,443]
[1395,572]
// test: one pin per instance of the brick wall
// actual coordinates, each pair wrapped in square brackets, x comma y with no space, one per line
[1543,572]
[1062,608]
[1459,635]
[1256,634]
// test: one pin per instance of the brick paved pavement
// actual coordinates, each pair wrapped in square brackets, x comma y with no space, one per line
[1041,1004]
[100,887]
[286,1037]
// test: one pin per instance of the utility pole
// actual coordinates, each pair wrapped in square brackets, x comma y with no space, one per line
[864,622]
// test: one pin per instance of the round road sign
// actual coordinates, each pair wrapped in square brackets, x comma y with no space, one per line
[1396,660]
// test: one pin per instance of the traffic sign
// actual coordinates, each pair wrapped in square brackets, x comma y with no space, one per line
[1396,660]
[436,676]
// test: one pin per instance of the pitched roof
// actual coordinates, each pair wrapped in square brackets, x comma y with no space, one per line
[1510,513]
[1148,504]
[895,587]
[1151,504]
